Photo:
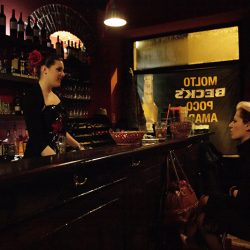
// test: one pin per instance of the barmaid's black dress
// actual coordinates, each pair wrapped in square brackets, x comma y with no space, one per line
[44,123]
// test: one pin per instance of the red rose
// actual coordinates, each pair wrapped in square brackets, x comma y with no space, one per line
[56,126]
[35,58]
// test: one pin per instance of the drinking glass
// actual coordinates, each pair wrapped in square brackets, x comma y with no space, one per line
[161,130]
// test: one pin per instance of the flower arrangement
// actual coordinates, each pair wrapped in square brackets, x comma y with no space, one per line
[35,60]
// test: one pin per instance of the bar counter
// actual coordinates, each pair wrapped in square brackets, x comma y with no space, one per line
[103,198]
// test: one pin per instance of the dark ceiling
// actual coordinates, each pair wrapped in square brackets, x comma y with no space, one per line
[141,13]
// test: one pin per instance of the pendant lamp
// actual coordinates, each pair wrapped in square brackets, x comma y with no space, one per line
[113,17]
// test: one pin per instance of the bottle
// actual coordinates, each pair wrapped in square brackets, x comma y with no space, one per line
[29,32]
[10,144]
[43,36]
[49,45]
[20,28]
[25,139]
[62,50]
[72,49]
[69,52]
[75,50]
[58,47]
[2,21]
[22,64]
[17,105]
[14,62]
[78,53]
[36,32]
[15,141]
[13,25]
[149,107]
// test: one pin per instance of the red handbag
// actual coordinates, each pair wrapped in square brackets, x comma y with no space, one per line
[180,199]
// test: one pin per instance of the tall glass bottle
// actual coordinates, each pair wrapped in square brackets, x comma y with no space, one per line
[29,31]
[58,47]
[20,28]
[148,105]
[2,21]
[36,32]
[43,35]
[13,25]
[48,42]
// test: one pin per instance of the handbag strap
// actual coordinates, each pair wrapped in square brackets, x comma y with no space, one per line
[175,163]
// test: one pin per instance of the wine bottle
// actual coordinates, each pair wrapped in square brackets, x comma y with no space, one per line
[43,36]
[48,42]
[62,50]
[36,32]
[2,21]
[29,31]
[58,47]
[72,48]
[13,25]
[20,28]
[14,62]
[69,52]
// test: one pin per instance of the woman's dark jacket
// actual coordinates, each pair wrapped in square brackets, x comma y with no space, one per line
[233,214]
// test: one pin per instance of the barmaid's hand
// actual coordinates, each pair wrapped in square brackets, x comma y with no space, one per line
[80,147]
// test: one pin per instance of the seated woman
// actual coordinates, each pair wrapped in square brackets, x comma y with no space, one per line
[230,212]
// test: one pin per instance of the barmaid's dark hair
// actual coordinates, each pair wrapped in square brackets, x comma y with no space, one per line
[48,62]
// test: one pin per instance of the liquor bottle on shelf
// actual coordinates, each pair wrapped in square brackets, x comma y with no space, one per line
[15,63]
[58,47]
[2,21]
[22,64]
[36,32]
[25,139]
[13,25]
[48,42]
[17,105]
[43,36]
[20,28]
[72,49]
[62,50]
[79,50]
[29,32]
[75,50]
[69,52]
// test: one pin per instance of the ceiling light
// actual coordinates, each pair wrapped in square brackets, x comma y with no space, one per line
[113,17]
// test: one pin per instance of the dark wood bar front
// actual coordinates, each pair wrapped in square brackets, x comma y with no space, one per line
[104,198]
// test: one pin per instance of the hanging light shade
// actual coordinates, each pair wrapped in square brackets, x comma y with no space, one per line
[113,17]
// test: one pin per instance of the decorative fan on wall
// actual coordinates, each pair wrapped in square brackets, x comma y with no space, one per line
[58,17]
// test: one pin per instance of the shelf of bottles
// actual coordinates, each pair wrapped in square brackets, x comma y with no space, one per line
[15,67]
[16,47]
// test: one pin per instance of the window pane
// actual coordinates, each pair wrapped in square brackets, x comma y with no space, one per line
[192,48]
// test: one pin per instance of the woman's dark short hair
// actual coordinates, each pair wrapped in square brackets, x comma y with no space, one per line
[244,108]
[49,61]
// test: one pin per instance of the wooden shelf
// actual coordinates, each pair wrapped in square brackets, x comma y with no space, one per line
[11,117]
[75,99]
[17,79]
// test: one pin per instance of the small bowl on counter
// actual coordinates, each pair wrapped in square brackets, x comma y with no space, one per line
[127,137]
